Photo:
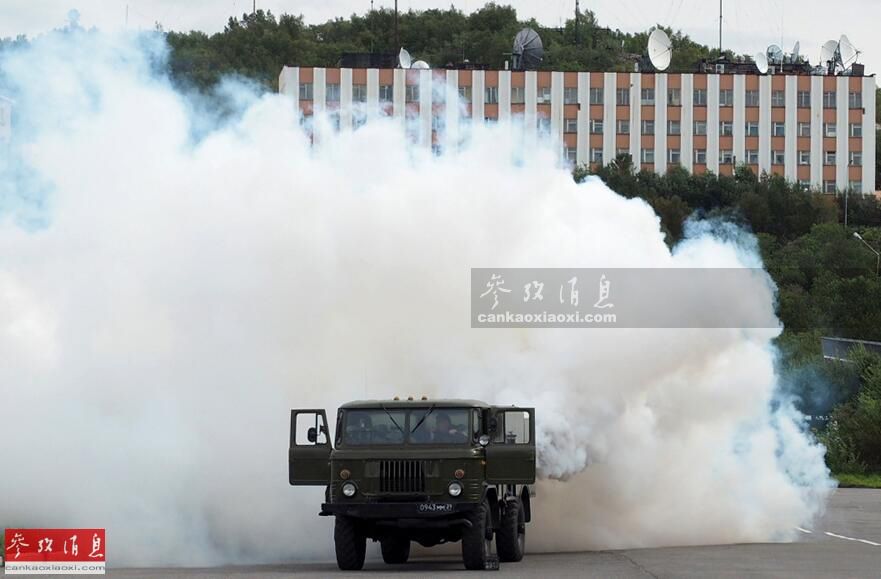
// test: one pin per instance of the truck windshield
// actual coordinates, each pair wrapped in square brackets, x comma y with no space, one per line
[379,426]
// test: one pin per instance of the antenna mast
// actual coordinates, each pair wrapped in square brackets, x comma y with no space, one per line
[397,39]
[720,28]
[577,22]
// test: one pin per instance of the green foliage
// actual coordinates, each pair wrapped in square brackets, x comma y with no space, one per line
[860,481]
[855,430]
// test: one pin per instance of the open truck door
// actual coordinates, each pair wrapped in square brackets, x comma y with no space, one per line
[510,456]
[310,448]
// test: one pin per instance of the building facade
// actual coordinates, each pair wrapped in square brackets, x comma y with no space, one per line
[815,130]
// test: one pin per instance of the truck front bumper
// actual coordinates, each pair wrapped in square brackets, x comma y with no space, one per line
[407,514]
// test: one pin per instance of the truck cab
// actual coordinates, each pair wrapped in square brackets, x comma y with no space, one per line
[429,471]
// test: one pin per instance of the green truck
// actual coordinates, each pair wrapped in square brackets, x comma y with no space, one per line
[429,471]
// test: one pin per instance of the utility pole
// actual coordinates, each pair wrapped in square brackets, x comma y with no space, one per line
[254,12]
[720,28]
[397,38]
[577,24]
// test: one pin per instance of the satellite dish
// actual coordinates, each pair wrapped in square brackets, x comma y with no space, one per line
[421,65]
[404,59]
[828,53]
[762,62]
[528,50]
[847,51]
[795,51]
[660,49]
[775,54]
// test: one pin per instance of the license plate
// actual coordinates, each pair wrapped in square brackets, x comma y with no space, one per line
[435,507]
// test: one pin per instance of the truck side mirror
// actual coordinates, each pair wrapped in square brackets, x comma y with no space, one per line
[312,435]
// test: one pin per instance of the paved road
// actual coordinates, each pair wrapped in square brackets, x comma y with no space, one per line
[846,543]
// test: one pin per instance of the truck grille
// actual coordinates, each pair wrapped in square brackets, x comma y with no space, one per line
[402,476]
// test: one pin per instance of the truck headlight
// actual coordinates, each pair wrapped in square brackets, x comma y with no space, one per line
[455,489]
[349,489]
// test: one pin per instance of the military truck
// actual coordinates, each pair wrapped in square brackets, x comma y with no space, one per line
[429,471]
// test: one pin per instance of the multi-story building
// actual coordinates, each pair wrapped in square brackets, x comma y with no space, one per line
[815,130]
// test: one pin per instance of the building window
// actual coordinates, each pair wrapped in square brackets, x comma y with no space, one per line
[465,94]
[752,129]
[829,186]
[829,100]
[596,155]
[804,129]
[700,97]
[804,157]
[648,127]
[596,95]
[306,91]
[648,96]
[674,128]
[386,92]
[700,128]
[596,127]
[518,95]
[333,92]
[570,125]
[700,156]
[778,98]
[856,130]
[752,157]
[778,158]
[544,95]
[856,158]
[752,98]
[622,97]
[570,95]
[623,127]
[412,93]
[778,129]
[726,128]
[726,97]
[544,124]
[359,93]
[855,186]
[855,100]
[491,95]
[830,129]
[804,99]
[571,154]
[648,156]
[804,184]
[829,158]
[674,97]
[674,157]
[726,157]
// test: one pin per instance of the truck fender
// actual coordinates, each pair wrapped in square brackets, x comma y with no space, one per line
[524,500]
[492,497]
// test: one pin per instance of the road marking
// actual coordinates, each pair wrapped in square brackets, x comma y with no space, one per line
[866,541]
[803,530]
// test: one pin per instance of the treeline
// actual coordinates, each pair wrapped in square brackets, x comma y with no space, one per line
[258,45]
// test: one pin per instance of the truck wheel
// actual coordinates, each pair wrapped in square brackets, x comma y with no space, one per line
[477,539]
[395,550]
[350,543]
[511,540]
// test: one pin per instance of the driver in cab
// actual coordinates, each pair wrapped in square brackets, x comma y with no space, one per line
[445,432]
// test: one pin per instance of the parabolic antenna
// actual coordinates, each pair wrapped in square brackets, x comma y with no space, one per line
[847,51]
[796,51]
[827,52]
[421,65]
[404,59]
[762,62]
[775,54]
[528,50]
[660,49]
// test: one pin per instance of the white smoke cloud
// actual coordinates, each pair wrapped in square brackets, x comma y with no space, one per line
[164,300]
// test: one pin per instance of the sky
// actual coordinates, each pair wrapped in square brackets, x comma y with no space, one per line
[749,25]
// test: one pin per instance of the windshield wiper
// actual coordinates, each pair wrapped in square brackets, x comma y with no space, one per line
[392,418]
[421,420]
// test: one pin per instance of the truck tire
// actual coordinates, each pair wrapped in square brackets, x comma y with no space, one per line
[395,550]
[350,544]
[477,539]
[511,540]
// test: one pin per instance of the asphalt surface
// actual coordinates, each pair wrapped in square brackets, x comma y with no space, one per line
[845,543]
